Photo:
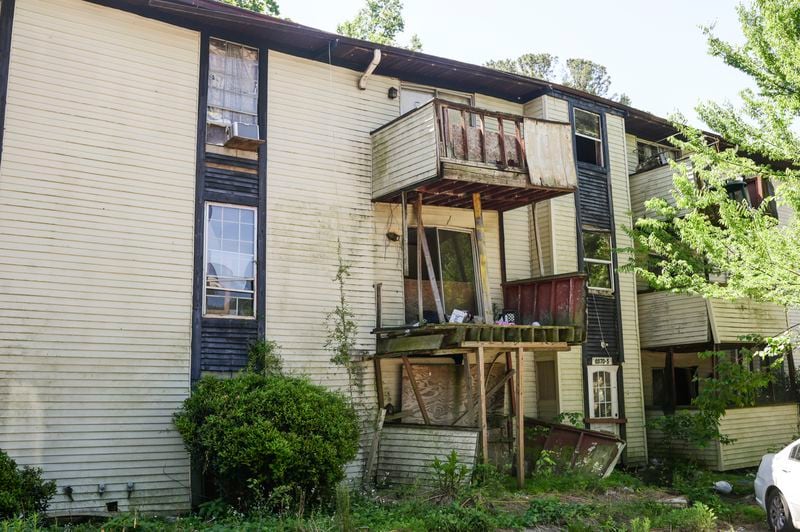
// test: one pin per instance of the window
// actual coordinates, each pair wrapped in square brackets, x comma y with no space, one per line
[588,140]
[597,260]
[795,453]
[453,259]
[232,88]
[230,261]
[652,155]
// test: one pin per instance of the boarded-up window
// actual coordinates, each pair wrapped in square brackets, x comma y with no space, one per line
[232,88]
[546,380]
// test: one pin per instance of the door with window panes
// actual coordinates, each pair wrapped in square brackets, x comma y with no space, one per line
[603,399]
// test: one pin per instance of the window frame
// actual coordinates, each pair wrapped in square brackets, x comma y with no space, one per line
[440,284]
[204,313]
[253,115]
[613,388]
[609,262]
[599,139]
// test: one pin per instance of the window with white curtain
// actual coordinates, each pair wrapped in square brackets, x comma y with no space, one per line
[230,260]
[232,88]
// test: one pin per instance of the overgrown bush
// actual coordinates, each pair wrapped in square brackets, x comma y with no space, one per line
[22,490]
[266,439]
[449,477]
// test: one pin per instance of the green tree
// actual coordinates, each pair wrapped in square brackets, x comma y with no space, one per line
[270,7]
[379,21]
[587,76]
[707,231]
[581,74]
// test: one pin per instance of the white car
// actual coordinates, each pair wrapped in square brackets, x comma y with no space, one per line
[777,488]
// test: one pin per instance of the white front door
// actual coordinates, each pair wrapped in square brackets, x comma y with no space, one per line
[603,399]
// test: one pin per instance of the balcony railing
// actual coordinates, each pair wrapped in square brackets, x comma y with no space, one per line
[555,300]
[448,151]
[476,135]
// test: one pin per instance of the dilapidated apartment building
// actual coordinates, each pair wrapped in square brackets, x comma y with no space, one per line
[180,178]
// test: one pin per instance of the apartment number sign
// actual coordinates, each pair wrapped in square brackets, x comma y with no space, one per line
[602,361]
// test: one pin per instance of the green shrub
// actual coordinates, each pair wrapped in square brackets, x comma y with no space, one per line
[698,518]
[22,491]
[263,435]
[449,477]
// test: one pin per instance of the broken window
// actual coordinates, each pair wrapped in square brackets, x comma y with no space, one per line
[453,260]
[597,260]
[652,155]
[230,258]
[232,88]
[588,138]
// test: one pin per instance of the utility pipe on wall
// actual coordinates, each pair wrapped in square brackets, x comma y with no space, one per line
[376,60]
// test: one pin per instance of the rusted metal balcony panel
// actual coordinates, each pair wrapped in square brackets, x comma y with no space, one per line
[558,300]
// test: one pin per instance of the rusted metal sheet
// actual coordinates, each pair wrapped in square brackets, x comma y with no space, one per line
[556,300]
[572,449]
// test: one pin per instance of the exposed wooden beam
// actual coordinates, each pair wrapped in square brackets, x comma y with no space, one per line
[482,421]
[378,381]
[414,388]
[483,269]
[520,418]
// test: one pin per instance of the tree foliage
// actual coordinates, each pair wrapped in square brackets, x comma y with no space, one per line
[379,21]
[581,74]
[270,7]
[704,230]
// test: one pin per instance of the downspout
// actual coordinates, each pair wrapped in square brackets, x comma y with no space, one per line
[376,60]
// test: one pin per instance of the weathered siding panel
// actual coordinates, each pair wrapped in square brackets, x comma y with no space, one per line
[96,224]
[404,153]
[708,456]
[668,319]
[655,183]
[636,451]
[319,191]
[732,319]
[517,240]
[756,430]
[407,452]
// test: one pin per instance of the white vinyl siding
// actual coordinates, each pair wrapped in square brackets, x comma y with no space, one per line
[96,227]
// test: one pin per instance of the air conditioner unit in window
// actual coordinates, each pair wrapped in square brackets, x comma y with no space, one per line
[243,136]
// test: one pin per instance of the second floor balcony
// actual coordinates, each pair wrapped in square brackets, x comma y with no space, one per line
[689,322]
[449,151]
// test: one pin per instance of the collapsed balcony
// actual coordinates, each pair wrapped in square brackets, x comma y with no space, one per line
[449,151]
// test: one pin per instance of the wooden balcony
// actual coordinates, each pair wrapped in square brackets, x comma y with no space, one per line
[686,322]
[549,310]
[449,151]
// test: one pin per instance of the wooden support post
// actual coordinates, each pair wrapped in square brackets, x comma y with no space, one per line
[420,238]
[482,421]
[378,381]
[512,402]
[372,458]
[792,373]
[483,269]
[520,418]
[417,395]
[437,297]
[669,377]
[470,393]
[404,234]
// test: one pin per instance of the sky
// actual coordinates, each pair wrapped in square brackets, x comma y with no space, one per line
[654,51]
